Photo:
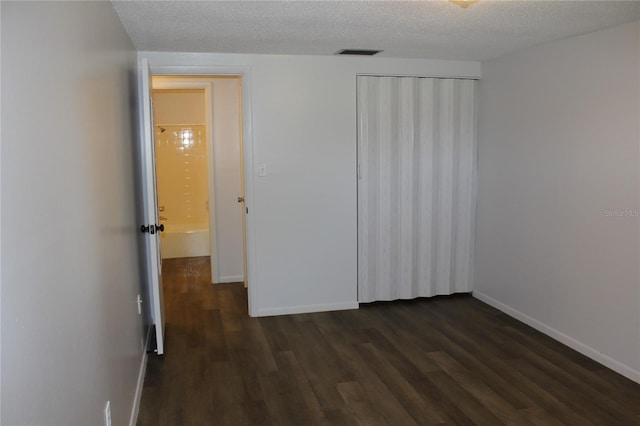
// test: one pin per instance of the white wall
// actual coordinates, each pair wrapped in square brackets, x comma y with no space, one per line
[304,130]
[71,334]
[558,147]
[176,108]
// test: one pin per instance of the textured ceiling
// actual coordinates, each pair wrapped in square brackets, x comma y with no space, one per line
[435,29]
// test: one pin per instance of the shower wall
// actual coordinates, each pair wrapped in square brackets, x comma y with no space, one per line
[181,168]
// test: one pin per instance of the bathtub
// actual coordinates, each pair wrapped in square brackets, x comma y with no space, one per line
[184,241]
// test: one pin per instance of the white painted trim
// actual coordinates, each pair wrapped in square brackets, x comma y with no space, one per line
[207,86]
[247,132]
[561,337]
[1,251]
[135,408]
[638,283]
[414,75]
[231,279]
[304,309]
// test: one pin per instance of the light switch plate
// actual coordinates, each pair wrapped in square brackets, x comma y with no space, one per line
[262,169]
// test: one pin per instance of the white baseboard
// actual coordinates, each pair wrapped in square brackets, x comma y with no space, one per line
[231,279]
[305,309]
[588,351]
[141,374]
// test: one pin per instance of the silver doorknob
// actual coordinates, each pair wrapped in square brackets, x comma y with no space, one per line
[241,199]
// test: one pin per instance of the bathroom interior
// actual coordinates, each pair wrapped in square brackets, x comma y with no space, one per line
[197,126]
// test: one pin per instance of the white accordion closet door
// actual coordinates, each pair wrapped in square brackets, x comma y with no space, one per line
[416,186]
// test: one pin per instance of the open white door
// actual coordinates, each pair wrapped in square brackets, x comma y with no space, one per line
[150,201]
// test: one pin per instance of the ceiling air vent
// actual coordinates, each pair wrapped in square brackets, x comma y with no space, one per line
[359,52]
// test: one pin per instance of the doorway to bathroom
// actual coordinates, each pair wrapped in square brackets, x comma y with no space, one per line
[199,168]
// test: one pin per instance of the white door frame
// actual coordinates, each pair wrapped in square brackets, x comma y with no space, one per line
[244,72]
[208,111]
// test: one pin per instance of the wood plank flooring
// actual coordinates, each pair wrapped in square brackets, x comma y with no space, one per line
[444,360]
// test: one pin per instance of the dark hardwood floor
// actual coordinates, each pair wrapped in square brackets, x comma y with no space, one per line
[445,360]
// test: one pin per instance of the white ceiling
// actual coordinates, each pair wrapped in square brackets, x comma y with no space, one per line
[435,29]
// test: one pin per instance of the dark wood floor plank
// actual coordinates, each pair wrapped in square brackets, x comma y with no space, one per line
[392,355]
[384,401]
[298,384]
[576,375]
[285,404]
[472,408]
[447,408]
[243,414]
[483,393]
[484,351]
[480,358]
[539,417]
[324,367]
[340,418]
[358,402]
[576,399]
[443,360]
[423,410]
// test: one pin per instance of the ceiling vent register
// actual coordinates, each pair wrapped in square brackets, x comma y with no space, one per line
[358,52]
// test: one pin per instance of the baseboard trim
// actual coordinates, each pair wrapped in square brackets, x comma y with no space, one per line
[231,279]
[135,409]
[574,344]
[305,309]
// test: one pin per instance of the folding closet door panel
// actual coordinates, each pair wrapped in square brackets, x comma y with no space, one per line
[416,168]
